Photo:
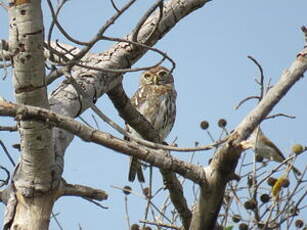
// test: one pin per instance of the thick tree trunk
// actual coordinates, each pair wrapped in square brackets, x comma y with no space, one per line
[30,202]
[32,213]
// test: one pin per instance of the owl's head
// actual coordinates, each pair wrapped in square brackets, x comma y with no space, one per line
[157,76]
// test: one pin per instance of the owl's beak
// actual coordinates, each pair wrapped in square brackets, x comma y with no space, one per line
[155,80]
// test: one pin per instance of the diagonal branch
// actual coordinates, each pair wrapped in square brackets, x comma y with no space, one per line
[126,110]
[224,162]
[288,78]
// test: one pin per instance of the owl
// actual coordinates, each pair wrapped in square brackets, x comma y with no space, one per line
[155,99]
[264,147]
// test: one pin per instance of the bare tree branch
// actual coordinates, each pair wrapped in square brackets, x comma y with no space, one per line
[114,5]
[279,115]
[101,31]
[82,191]
[245,100]
[225,159]
[54,53]
[304,29]
[160,224]
[288,78]
[261,76]
[8,128]
[154,157]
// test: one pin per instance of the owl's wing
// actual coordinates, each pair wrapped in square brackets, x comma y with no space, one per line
[137,101]
[140,96]
[143,99]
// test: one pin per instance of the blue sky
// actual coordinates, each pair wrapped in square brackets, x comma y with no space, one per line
[213,74]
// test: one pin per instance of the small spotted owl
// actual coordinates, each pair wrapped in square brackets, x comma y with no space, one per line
[155,99]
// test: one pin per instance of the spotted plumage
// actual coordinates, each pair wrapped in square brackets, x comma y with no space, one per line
[155,99]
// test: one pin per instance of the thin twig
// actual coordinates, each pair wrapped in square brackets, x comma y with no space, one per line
[275,169]
[119,71]
[99,36]
[95,203]
[304,29]
[261,76]
[160,212]
[127,212]
[54,216]
[244,100]
[7,153]
[96,122]
[145,198]
[160,224]
[114,6]
[9,128]
[92,42]
[6,181]
[56,13]
[143,46]
[85,122]
[210,136]
[149,195]
[269,216]
[289,198]
[4,66]
[280,115]
[58,72]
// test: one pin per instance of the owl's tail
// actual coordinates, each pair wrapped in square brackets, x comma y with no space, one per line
[135,168]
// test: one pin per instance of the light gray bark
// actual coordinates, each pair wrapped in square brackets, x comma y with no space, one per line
[33,175]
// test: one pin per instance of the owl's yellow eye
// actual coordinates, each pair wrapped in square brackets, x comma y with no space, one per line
[147,76]
[163,74]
